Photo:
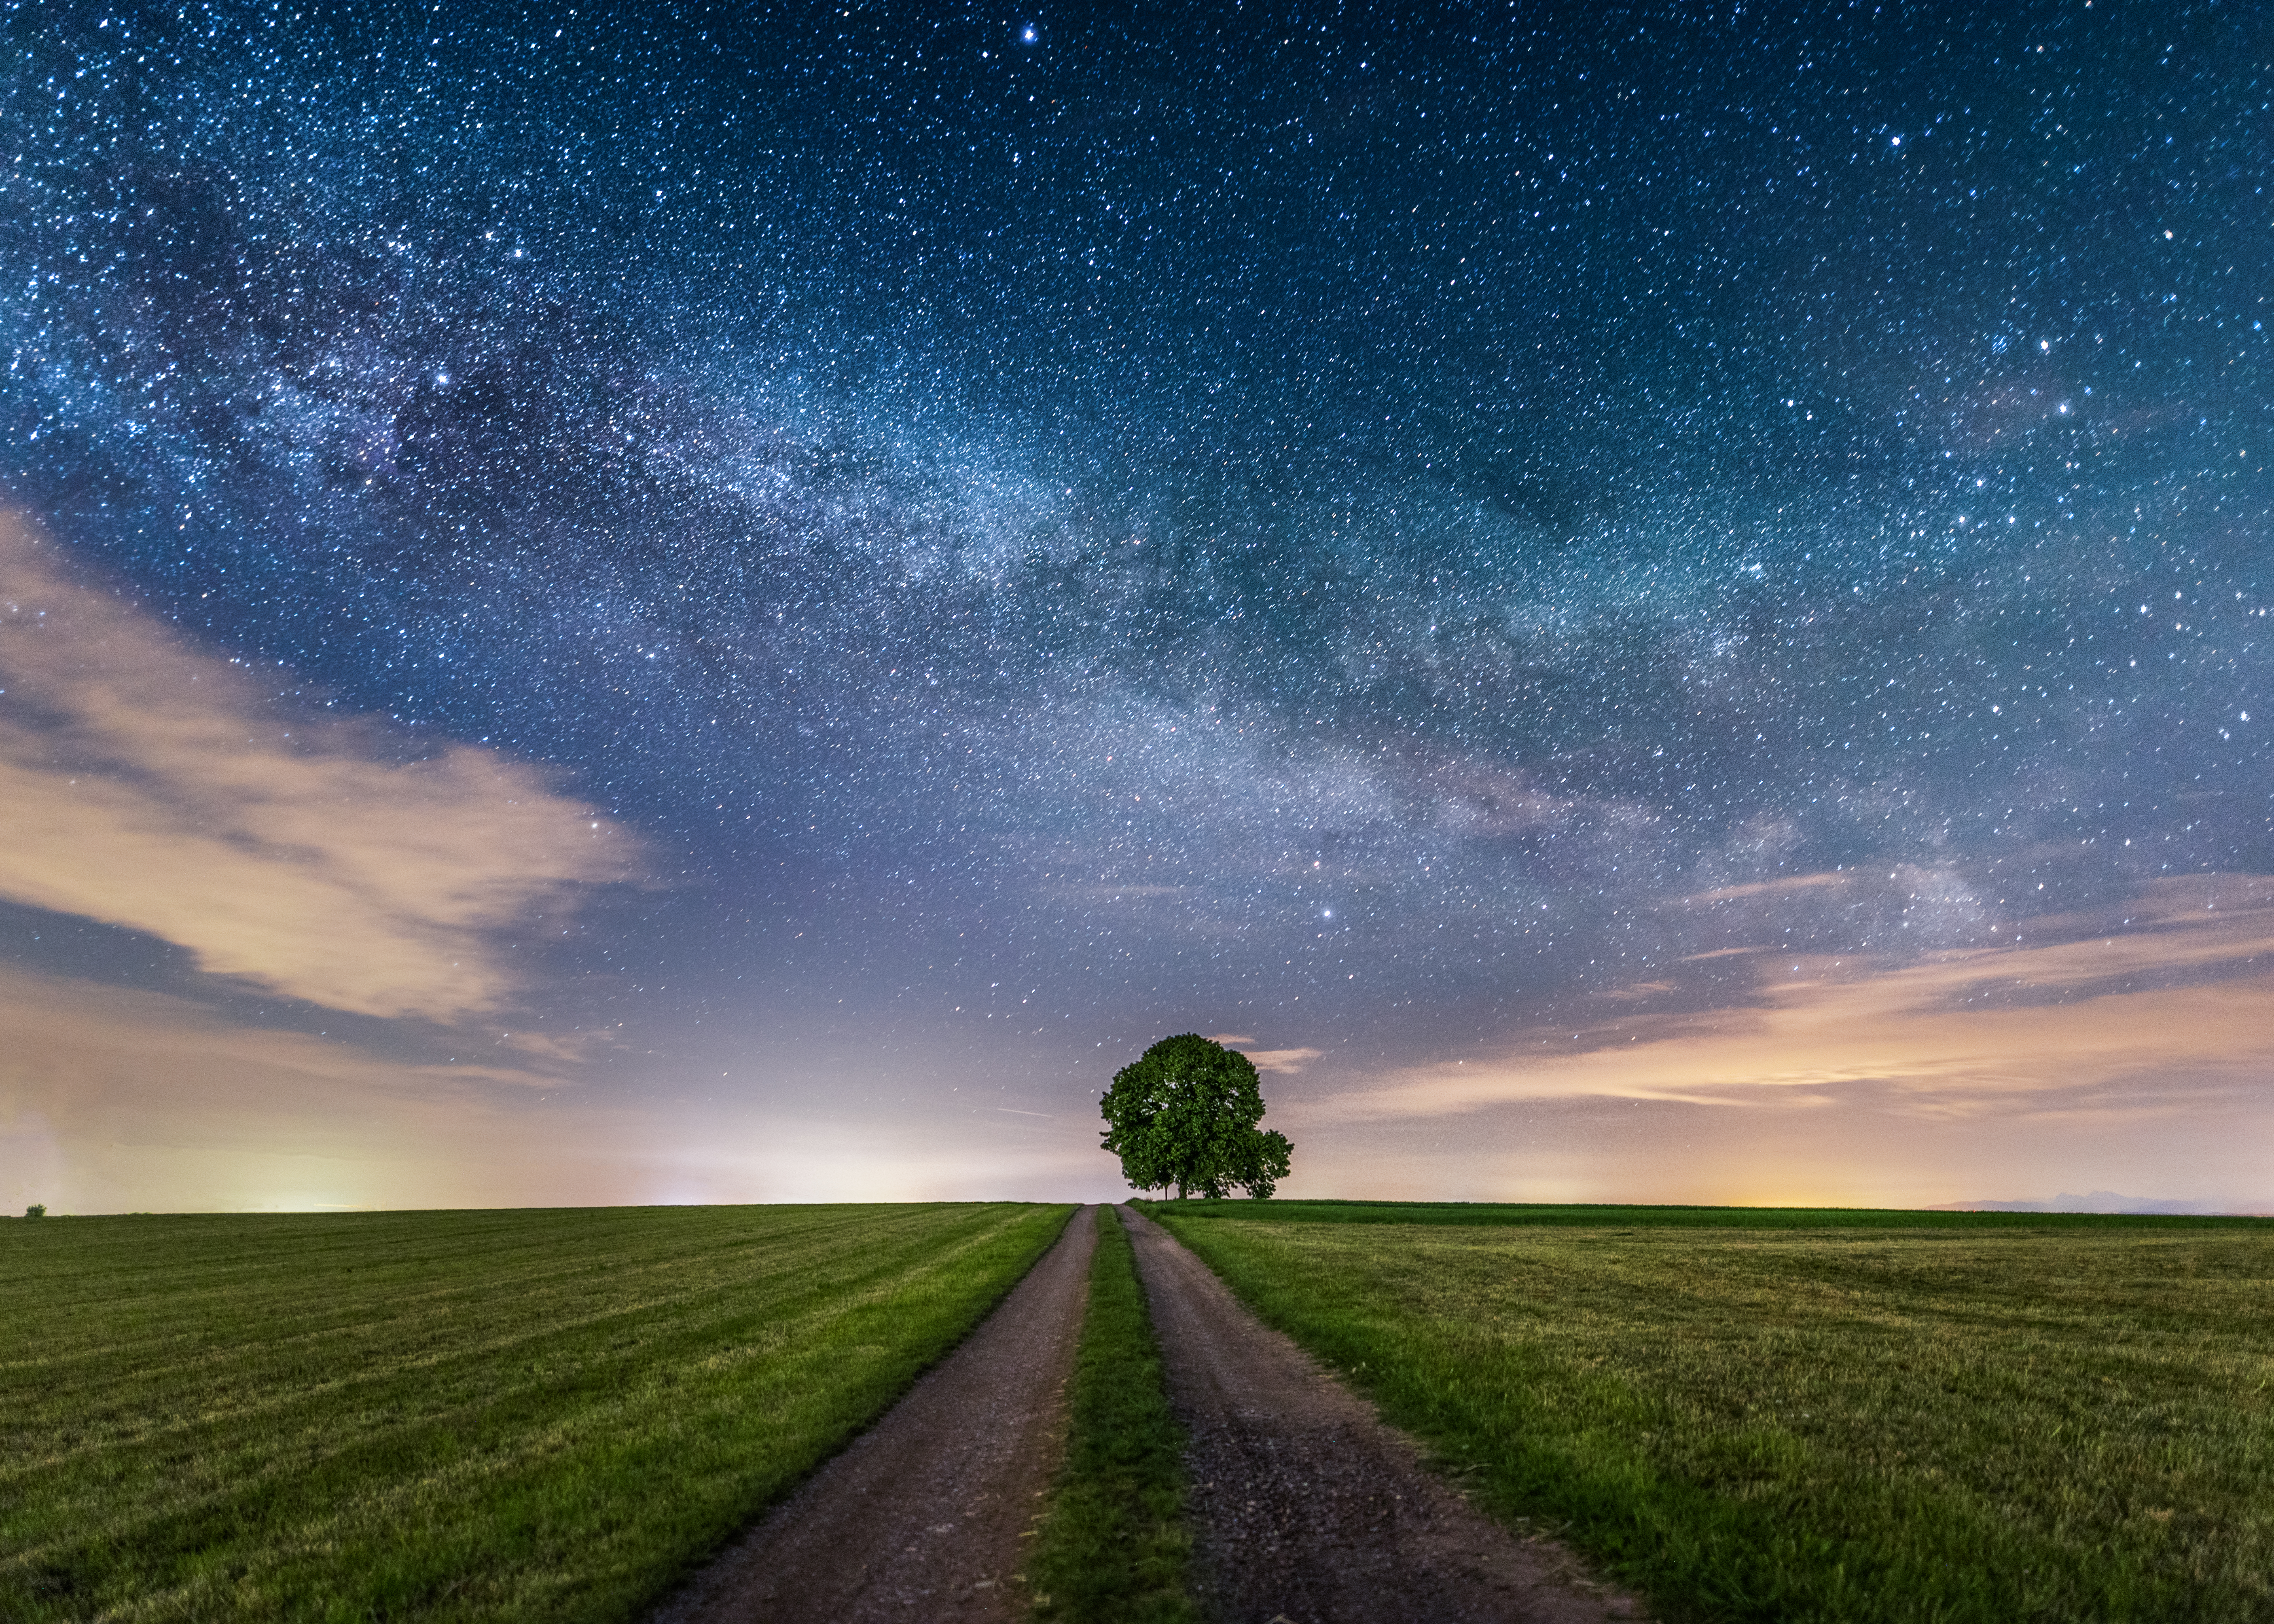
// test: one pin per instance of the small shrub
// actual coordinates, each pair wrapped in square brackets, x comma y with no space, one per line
[37,1209]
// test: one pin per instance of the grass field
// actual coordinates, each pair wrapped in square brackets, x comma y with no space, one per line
[1113,1547]
[1480,1215]
[1824,1416]
[534,1415]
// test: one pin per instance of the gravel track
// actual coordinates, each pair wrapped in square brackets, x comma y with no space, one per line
[919,1518]
[1307,1510]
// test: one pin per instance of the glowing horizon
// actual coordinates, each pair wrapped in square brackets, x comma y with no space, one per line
[1625,633]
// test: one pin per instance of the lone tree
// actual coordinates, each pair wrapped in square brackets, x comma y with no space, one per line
[1184,1113]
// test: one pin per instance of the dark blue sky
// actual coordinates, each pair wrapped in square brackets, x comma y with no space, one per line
[1326,522]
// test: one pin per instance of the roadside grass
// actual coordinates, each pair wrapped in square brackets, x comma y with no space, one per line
[1475,1213]
[1113,1547]
[535,1415]
[1809,1418]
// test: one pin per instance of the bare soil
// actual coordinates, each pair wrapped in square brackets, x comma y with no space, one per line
[1306,1507]
[920,1517]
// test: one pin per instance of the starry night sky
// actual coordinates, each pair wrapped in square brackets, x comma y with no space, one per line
[1414,534]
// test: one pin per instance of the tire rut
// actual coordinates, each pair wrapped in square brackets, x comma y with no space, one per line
[920,1517]
[1307,1509]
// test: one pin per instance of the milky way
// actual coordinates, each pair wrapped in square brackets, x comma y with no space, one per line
[1135,510]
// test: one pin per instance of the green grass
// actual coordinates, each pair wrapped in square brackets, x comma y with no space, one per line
[1113,1548]
[1993,1417]
[547,1415]
[1473,1214]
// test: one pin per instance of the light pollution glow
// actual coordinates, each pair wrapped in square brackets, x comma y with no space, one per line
[1663,616]
[151,786]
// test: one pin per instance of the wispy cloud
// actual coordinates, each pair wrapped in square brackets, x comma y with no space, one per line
[1289,1061]
[146,782]
[2181,990]
[1770,888]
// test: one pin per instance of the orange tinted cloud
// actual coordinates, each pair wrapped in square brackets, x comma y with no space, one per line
[2068,1025]
[146,782]
[1286,1060]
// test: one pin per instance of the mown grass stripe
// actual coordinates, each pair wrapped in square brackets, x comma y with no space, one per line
[270,1375]
[1113,1547]
[545,1415]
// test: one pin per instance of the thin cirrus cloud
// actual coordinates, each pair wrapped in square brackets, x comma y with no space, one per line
[2163,1014]
[1288,1061]
[149,784]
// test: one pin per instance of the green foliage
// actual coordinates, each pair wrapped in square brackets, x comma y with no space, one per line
[1184,1114]
[1113,1547]
[37,1209]
[1977,1421]
[545,1415]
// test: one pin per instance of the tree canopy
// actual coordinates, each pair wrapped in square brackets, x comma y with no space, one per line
[1184,1114]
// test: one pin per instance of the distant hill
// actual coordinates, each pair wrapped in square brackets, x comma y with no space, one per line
[2098,1201]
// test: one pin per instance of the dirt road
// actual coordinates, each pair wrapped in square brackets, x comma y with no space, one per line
[919,1519]
[1306,1507]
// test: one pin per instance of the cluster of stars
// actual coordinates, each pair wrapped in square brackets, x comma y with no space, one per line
[1193,506]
